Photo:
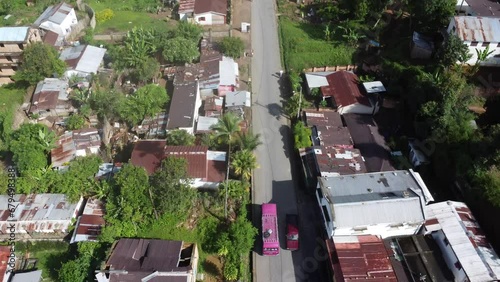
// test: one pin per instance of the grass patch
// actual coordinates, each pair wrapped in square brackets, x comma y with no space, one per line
[125,19]
[11,97]
[303,46]
[49,255]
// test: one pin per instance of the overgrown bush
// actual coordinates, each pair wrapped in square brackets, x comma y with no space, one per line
[104,15]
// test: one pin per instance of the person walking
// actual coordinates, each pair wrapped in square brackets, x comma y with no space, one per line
[281,73]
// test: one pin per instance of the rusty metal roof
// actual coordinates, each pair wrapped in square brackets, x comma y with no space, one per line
[332,160]
[466,238]
[4,259]
[327,129]
[186,6]
[355,258]
[196,157]
[478,29]
[48,94]
[86,138]
[343,87]
[65,150]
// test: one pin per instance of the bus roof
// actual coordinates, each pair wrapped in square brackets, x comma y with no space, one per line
[269,209]
[269,222]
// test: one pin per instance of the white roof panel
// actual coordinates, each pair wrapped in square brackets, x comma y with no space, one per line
[13,34]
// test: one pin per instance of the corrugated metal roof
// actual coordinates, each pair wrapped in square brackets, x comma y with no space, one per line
[83,58]
[86,138]
[372,198]
[186,6]
[333,161]
[343,87]
[65,150]
[205,123]
[55,14]
[475,254]
[216,6]
[48,93]
[361,258]
[182,106]
[317,79]
[228,70]
[327,129]
[238,98]
[196,157]
[32,276]
[478,29]
[13,34]
[40,207]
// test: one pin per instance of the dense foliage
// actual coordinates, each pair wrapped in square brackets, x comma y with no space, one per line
[232,46]
[302,135]
[180,137]
[39,61]
[147,101]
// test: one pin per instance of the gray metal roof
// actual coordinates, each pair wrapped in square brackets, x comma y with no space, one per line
[32,276]
[56,14]
[13,34]
[373,87]
[238,98]
[40,207]
[228,70]
[317,79]
[83,58]
[372,198]
[204,123]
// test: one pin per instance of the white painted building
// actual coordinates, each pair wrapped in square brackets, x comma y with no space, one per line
[478,33]
[37,213]
[383,203]
[59,18]
[466,251]
[82,60]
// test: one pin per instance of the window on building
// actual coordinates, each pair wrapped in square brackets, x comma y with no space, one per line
[201,19]
[485,44]
[21,46]
[473,43]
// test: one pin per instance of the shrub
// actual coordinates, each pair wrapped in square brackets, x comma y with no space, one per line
[104,15]
[232,46]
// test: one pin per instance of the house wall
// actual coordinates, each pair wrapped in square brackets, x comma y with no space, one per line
[383,230]
[210,19]
[200,183]
[449,256]
[185,16]
[463,8]
[492,60]
[11,53]
[194,264]
[64,28]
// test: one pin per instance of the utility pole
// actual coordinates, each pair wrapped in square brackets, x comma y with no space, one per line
[300,102]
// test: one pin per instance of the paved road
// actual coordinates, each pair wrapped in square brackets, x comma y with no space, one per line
[273,180]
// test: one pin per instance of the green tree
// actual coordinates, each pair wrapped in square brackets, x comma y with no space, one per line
[75,122]
[302,135]
[294,104]
[453,51]
[147,101]
[147,70]
[188,31]
[488,182]
[172,193]
[30,145]
[74,270]
[39,61]
[138,46]
[78,180]
[248,141]
[180,50]
[180,137]
[243,163]
[227,127]
[106,104]
[432,15]
[232,46]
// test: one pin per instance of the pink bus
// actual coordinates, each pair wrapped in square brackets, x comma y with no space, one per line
[270,239]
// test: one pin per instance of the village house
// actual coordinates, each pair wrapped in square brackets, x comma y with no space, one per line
[89,224]
[343,88]
[153,127]
[59,19]
[480,8]
[51,99]
[150,260]
[327,129]
[203,12]
[479,34]
[184,107]
[205,168]
[465,249]
[240,99]
[30,276]
[384,204]
[204,124]
[82,60]
[72,144]
[212,106]
[13,41]
[38,216]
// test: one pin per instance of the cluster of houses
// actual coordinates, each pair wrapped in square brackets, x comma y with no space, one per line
[381,223]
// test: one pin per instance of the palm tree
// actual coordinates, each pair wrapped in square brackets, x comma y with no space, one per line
[227,126]
[243,164]
[248,141]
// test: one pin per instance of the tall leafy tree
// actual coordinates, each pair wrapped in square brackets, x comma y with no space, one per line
[147,70]
[302,135]
[172,193]
[39,61]
[180,50]
[227,127]
[105,104]
[179,137]
[232,46]
[139,45]
[30,145]
[248,141]
[243,163]
[188,31]
[147,101]
[453,51]
[431,15]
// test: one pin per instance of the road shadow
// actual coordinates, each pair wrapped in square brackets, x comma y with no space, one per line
[257,223]
[275,110]
[286,138]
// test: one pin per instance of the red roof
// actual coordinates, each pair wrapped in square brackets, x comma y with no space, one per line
[4,259]
[196,157]
[343,87]
[361,258]
[215,6]
[148,154]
